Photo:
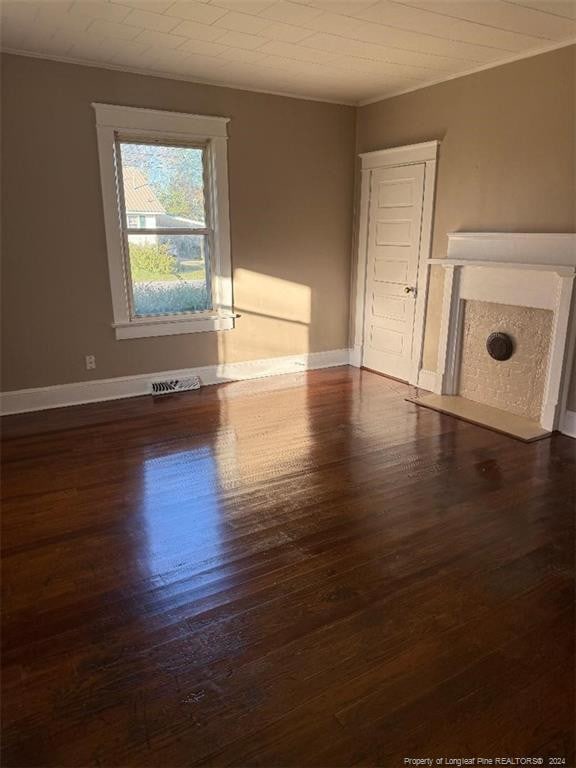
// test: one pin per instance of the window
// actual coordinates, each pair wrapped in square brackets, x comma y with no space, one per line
[136,221]
[165,192]
[166,234]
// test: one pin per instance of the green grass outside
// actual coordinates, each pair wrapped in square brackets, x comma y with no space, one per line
[191,270]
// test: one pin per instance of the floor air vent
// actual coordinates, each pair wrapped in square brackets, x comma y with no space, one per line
[169,386]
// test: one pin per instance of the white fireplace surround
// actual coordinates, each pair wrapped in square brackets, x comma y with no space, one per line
[527,270]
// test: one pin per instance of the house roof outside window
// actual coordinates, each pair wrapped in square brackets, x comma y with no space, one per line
[139,196]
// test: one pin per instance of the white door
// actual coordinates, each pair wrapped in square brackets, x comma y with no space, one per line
[394,230]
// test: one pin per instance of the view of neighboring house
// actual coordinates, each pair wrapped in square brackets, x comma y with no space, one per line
[142,206]
[144,210]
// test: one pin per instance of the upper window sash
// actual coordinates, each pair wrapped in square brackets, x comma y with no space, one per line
[156,126]
[123,138]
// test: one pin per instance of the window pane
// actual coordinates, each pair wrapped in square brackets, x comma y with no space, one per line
[163,185]
[169,274]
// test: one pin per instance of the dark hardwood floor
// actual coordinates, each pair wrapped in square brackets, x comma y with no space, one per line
[297,571]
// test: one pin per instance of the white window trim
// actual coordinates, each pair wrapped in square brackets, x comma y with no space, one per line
[167,126]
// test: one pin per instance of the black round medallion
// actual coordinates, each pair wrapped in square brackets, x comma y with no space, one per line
[500,346]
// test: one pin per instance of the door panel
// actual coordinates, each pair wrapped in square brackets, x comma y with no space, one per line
[390,302]
[386,340]
[399,193]
[390,307]
[394,228]
[397,232]
[391,271]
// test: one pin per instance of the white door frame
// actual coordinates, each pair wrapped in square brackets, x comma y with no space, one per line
[411,154]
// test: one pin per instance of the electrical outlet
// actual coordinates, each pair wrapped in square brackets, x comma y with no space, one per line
[90,362]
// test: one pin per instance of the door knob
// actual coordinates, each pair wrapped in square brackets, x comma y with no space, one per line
[409,289]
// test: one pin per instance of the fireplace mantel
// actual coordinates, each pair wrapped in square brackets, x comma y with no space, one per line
[513,248]
[522,269]
[559,269]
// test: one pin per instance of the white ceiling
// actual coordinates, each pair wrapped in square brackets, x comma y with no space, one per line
[348,51]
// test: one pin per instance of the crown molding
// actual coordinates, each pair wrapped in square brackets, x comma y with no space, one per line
[481,68]
[288,94]
[173,76]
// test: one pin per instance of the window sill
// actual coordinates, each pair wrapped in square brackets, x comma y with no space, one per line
[137,329]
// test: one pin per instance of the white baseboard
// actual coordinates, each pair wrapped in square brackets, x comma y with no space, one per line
[356,357]
[428,380]
[568,426]
[58,396]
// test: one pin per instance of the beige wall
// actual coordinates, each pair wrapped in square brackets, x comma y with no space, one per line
[291,180]
[507,163]
[507,158]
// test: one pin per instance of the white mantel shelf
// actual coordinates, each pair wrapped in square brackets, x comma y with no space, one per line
[559,269]
[513,248]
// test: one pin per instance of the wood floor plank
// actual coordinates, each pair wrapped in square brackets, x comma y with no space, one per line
[304,570]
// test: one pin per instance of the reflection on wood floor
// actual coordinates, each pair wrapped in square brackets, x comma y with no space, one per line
[302,571]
